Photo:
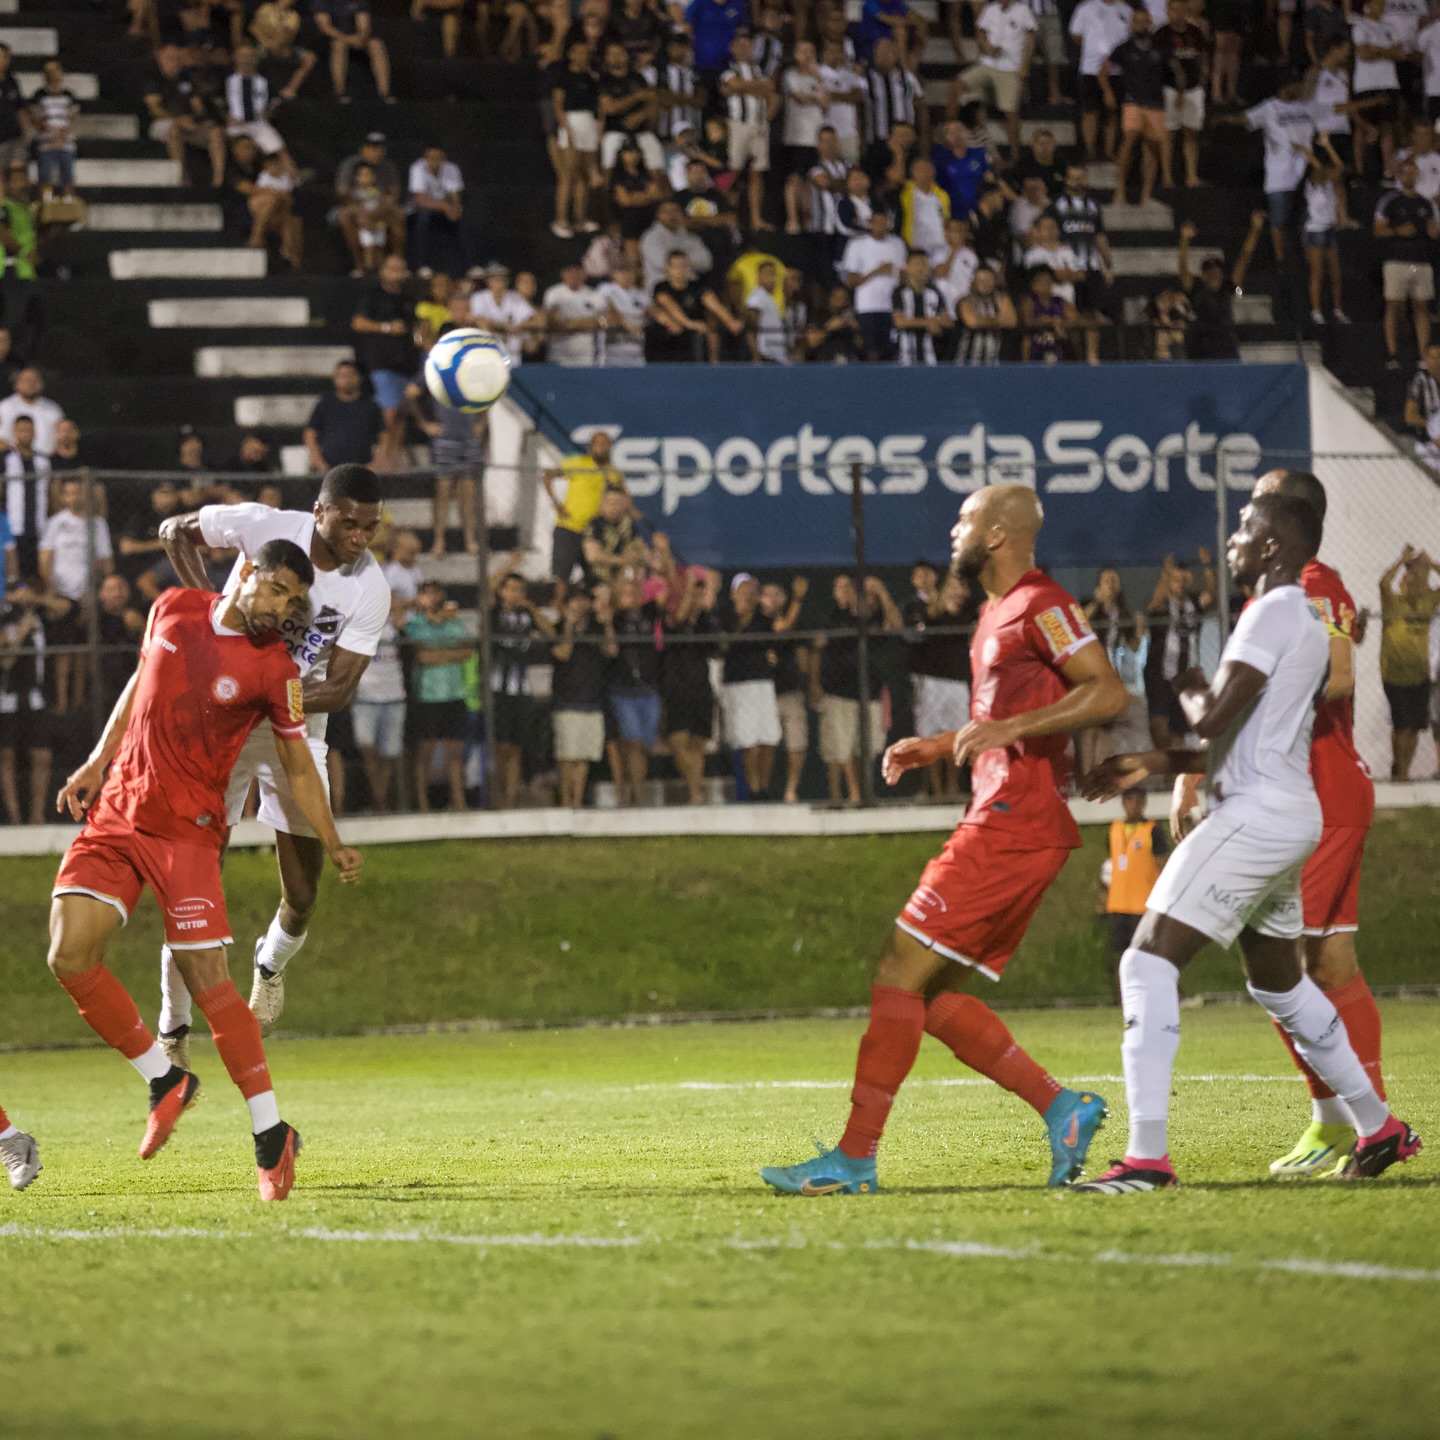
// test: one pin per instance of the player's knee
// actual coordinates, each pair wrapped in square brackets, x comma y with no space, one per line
[1333,962]
[67,957]
[296,908]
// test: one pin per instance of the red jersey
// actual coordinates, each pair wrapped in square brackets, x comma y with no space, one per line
[1022,641]
[1342,780]
[202,691]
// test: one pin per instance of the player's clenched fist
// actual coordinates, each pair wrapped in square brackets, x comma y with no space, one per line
[913,754]
[348,862]
[80,790]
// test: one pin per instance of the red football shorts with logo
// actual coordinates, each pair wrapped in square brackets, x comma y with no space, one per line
[977,897]
[185,878]
[1330,881]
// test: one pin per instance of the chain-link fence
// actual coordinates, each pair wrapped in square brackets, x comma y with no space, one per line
[644,679]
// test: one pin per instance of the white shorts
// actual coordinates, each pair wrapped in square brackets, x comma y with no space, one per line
[585,129]
[1185,109]
[259,761]
[750,714]
[840,729]
[579,735]
[379,724]
[614,142]
[267,138]
[940,705]
[1239,868]
[749,145]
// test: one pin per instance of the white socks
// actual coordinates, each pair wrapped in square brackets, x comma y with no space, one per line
[1150,995]
[1313,1024]
[277,948]
[174,997]
[1332,1110]
[153,1064]
[9,1132]
[264,1111]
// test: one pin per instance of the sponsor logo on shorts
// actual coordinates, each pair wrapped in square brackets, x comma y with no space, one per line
[191,912]
[225,688]
[1225,900]
[923,900]
[295,700]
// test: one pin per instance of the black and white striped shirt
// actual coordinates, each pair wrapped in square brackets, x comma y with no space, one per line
[825,204]
[1080,222]
[247,98]
[768,54]
[745,109]
[916,347]
[58,111]
[679,80]
[852,215]
[892,101]
[1425,392]
[980,347]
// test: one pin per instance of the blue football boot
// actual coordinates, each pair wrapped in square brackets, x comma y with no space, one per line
[1071,1122]
[832,1172]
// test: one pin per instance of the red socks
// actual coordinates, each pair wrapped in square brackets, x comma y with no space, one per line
[981,1040]
[4,1120]
[109,1011]
[1361,1017]
[887,1053]
[237,1037]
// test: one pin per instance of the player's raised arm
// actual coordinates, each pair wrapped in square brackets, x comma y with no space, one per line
[305,785]
[226,527]
[180,535]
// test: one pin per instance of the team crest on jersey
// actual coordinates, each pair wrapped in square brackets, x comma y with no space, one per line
[327,622]
[225,688]
[295,698]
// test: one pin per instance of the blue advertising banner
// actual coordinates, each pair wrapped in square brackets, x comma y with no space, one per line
[752,466]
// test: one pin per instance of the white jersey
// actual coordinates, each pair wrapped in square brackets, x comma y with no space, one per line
[1265,755]
[348,605]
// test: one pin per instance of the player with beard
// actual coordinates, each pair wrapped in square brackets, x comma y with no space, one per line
[1038,675]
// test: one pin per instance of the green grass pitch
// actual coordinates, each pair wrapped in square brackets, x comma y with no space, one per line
[561,1233]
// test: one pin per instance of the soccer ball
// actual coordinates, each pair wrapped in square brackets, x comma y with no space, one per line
[467,370]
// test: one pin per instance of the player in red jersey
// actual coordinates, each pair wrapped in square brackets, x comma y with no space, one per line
[1038,675]
[211,667]
[1330,881]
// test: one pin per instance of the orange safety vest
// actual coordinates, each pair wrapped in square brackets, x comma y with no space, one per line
[1133,867]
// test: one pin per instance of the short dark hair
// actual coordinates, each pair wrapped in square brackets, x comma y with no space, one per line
[285,555]
[350,482]
[1294,522]
[1302,485]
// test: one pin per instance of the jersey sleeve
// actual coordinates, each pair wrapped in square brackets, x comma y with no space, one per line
[285,699]
[1260,645]
[1335,607]
[237,527]
[362,632]
[1056,626]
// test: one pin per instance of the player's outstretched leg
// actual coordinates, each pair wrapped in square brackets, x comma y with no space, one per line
[175,1011]
[18,1153]
[301,859]
[979,1038]
[80,926]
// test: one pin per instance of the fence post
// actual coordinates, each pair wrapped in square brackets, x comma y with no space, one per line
[487,695]
[862,616]
[1222,540]
[92,604]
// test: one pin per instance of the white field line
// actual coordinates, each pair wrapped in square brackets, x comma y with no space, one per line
[953,1249]
[1290,1079]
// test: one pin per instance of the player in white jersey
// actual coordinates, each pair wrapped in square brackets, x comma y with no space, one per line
[332,642]
[1237,874]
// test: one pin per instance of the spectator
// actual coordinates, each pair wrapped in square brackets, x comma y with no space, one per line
[253,458]
[685,317]
[1405,613]
[939,663]
[1169,316]
[990,230]
[1377,46]
[987,315]
[433,313]
[346,25]
[924,208]
[852,213]
[627,108]
[1423,150]
[805,101]
[583,653]
[1325,29]
[626,303]
[1324,191]
[707,209]
[16,120]
[638,27]
[918,312]
[274,27]
[668,235]
[272,211]
[1137,852]
[451,13]
[119,630]
[402,574]
[1099,27]
[685,690]
[140,545]
[769,341]
[439,718]
[1025,211]
[611,547]
[25,725]
[346,425]
[1040,160]
[56,113]
[1422,399]
[1427,42]
[635,194]
[836,685]
[1186,48]
[749,712]
[1176,610]
[248,104]
[957,264]
[1050,250]
[1046,320]
[1406,222]
[8,369]
[514,625]
[9,556]
[961,167]
[386,350]
[435,205]
[1049,47]
[713,25]
[75,552]
[1123,634]
[180,117]
[504,312]
[378,718]
[892,21]
[1143,68]
[532,339]
[872,265]
[844,96]
[895,103]
[575,93]
[369,212]
[457,450]
[28,488]
[1005,33]
[634,685]
[751,103]
[1081,225]
[18,257]
[837,340]
[1212,334]
[66,456]
[1288,123]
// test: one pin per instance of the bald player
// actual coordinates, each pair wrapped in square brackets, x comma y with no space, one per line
[1236,876]
[1039,674]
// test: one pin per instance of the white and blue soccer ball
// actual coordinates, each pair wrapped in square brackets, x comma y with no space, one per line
[467,370]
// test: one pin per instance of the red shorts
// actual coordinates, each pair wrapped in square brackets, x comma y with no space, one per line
[1330,881]
[185,878]
[977,896]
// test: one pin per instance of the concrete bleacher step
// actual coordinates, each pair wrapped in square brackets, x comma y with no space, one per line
[107,127]
[230,313]
[1102,175]
[163,219]
[82,85]
[1249,309]
[41,40]
[244,362]
[411,514]
[227,264]
[294,460]
[1280,352]
[1062,130]
[9,7]
[113,174]
[1159,259]
[1155,216]
[276,410]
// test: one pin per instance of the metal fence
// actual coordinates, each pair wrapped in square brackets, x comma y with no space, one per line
[666,717]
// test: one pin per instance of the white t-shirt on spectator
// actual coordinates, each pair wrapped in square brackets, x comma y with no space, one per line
[1060,257]
[1286,123]
[577,347]
[1006,27]
[1321,209]
[44,412]
[1428,183]
[383,682]
[842,116]
[1427,42]
[1373,74]
[1405,17]
[438,186]
[513,309]
[770,338]
[802,122]
[927,221]
[1099,28]
[862,255]
[64,536]
[955,280]
[622,347]
[1332,88]
[403,580]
